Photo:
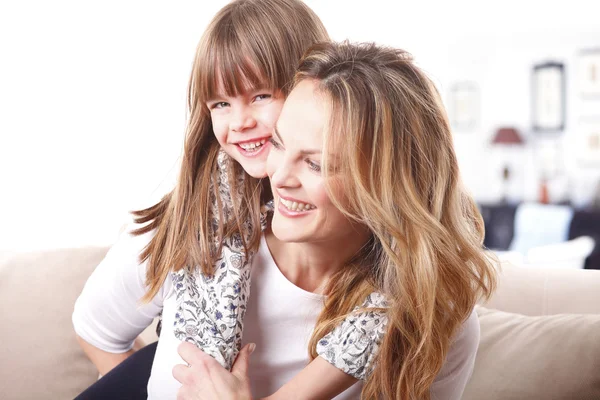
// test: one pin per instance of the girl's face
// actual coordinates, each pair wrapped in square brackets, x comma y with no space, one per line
[243,126]
[303,209]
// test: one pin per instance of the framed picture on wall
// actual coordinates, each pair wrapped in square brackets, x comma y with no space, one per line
[548,97]
[588,142]
[589,73]
[463,106]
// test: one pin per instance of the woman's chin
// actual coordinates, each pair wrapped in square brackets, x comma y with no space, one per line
[284,232]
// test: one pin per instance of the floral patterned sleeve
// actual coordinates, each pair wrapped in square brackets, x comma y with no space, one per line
[211,309]
[352,345]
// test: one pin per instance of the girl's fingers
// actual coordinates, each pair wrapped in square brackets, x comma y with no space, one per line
[240,366]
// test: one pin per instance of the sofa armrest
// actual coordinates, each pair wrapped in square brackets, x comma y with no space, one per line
[546,291]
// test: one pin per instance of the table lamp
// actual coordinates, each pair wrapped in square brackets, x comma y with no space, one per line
[506,136]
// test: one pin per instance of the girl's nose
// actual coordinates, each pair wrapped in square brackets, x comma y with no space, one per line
[242,120]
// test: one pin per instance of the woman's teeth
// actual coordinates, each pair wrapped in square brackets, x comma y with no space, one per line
[250,147]
[296,206]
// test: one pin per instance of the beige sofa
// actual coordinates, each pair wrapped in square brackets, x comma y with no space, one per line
[520,356]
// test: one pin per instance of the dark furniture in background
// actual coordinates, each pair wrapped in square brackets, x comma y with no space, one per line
[499,220]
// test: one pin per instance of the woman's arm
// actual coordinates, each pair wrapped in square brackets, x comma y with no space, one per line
[103,360]
[318,380]
[108,316]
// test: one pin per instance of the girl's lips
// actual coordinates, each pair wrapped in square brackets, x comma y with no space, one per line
[255,153]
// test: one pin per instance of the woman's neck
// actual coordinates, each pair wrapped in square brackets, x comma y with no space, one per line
[310,265]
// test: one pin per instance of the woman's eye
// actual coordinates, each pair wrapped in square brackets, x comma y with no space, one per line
[313,166]
[220,104]
[275,144]
[262,96]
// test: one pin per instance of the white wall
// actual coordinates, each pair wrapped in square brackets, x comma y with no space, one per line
[502,67]
[92,94]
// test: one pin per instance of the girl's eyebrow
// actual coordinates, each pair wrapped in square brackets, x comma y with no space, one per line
[246,91]
[215,98]
[257,88]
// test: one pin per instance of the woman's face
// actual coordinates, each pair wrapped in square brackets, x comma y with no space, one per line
[243,125]
[303,209]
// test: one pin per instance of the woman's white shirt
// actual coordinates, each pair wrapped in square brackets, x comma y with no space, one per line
[280,320]
[108,313]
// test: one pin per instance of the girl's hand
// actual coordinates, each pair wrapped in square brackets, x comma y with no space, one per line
[205,379]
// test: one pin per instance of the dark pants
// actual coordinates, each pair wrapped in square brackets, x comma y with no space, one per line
[128,380]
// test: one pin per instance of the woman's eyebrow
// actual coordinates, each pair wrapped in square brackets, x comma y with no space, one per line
[305,152]
[277,134]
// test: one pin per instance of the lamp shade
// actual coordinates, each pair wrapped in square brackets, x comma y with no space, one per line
[507,136]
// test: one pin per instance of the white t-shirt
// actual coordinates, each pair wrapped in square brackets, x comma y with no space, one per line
[280,319]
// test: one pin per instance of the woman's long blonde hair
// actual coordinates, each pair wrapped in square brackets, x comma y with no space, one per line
[248,44]
[398,168]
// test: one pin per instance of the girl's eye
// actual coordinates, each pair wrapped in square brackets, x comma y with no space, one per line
[313,165]
[262,96]
[220,104]
[276,145]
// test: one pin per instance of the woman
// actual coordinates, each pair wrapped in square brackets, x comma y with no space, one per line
[368,200]
[189,259]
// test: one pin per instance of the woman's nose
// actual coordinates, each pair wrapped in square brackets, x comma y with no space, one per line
[283,175]
[242,119]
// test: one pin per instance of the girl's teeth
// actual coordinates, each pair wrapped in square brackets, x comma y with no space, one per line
[252,146]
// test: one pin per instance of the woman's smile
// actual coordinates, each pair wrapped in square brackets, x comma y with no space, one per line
[293,208]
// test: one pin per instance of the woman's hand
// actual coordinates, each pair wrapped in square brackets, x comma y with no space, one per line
[205,379]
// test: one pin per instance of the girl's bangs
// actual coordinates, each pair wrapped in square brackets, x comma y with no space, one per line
[232,67]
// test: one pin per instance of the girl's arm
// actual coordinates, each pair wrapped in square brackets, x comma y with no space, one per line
[318,380]
[203,378]
[345,355]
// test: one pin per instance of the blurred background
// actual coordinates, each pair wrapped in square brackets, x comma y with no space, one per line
[92,105]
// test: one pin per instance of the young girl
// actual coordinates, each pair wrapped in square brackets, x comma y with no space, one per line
[197,243]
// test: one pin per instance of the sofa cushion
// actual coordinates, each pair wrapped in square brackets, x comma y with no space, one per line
[548,357]
[569,254]
[539,225]
[41,358]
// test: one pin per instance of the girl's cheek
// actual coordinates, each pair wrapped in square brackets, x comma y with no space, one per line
[273,162]
[271,113]
[219,130]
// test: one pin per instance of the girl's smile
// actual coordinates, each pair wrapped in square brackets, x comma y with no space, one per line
[253,147]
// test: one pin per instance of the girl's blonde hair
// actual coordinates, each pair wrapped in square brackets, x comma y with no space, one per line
[397,165]
[248,44]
